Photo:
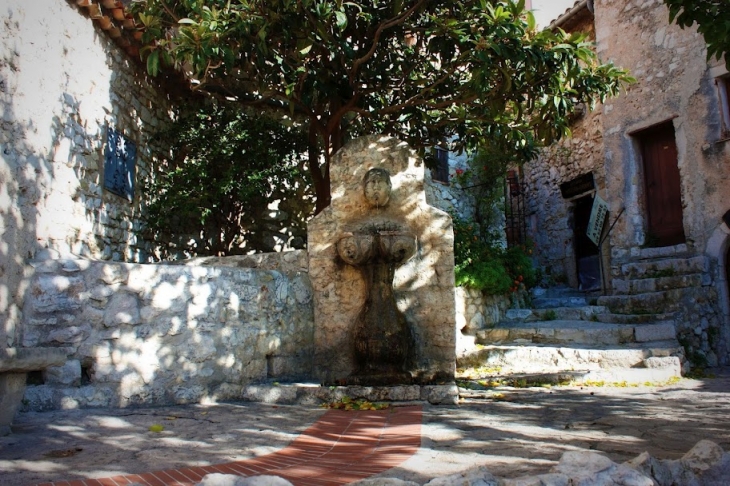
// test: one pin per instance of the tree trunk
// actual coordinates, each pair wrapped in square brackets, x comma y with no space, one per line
[320,178]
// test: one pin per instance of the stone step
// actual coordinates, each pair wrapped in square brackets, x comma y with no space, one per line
[665,267]
[646,303]
[545,358]
[584,313]
[675,251]
[557,291]
[645,285]
[555,302]
[609,317]
[655,370]
[576,332]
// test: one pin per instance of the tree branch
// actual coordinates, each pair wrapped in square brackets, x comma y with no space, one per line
[376,38]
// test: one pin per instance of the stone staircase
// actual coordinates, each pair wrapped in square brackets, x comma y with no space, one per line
[567,333]
[659,280]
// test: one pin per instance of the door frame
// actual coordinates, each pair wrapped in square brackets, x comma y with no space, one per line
[663,129]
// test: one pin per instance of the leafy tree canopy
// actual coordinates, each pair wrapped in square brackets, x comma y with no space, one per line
[211,195]
[424,71]
[713,22]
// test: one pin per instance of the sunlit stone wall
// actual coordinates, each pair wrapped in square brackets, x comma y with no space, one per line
[161,334]
[62,84]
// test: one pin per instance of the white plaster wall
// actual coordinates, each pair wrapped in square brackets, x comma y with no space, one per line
[62,82]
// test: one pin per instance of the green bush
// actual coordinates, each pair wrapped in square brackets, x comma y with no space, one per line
[481,264]
[211,194]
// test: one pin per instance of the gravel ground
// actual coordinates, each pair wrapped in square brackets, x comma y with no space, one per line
[513,431]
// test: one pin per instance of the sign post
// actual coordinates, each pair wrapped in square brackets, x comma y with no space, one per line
[597,219]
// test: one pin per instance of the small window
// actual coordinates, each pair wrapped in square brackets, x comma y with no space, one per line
[723,87]
[120,156]
[441,172]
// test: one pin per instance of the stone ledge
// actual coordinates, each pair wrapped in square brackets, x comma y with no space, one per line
[314,394]
[14,364]
[21,360]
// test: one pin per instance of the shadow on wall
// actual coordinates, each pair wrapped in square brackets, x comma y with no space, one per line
[162,334]
[24,178]
[51,144]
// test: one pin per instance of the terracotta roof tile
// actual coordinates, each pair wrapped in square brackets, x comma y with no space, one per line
[113,18]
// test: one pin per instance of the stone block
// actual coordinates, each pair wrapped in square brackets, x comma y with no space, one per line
[12,387]
[655,332]
[285,394]
[651,467]
[383,482]
[217,479]
[16,360]
[440,394]
[489,336]
[123,308]
[69,374]
[518,314]
[550,479]
[478,476]
[664,362]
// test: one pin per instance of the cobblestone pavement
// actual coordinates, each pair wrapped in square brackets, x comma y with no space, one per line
[514,432]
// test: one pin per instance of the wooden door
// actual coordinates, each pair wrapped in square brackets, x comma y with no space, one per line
[662,187]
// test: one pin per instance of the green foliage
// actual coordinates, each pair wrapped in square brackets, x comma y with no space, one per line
[424,71]
[211,195]
[713,22]
[484,265]
[485,181]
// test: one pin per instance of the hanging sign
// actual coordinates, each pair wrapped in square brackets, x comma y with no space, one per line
[597,220]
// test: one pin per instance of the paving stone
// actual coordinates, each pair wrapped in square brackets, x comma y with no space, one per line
[217,479]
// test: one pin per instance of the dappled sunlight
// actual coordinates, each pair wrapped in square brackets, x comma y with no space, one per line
[113,422]
[178,442]
[165,294]
[34,466]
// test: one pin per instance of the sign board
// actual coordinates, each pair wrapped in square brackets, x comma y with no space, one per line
[120,156]
[578,186]
[597,220]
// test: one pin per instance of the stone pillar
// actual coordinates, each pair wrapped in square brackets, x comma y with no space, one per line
[12,387]
[423,287]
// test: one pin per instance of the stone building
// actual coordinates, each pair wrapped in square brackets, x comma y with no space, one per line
[659,156]
[69,94]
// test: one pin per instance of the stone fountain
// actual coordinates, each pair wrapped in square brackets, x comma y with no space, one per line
[382,269]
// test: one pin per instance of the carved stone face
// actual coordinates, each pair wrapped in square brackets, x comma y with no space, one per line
[377,187]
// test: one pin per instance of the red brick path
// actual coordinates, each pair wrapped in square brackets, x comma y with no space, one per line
[341,447]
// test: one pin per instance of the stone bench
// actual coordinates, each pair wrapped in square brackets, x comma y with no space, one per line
[15,363]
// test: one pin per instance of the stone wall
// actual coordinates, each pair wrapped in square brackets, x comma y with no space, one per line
[674,83]
[451,197]
[63,83]
[676,86]
[160,334]
[424,286]
[475,311]
[549,214]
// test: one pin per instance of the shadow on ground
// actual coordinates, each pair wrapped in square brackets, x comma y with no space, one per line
[517,431]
